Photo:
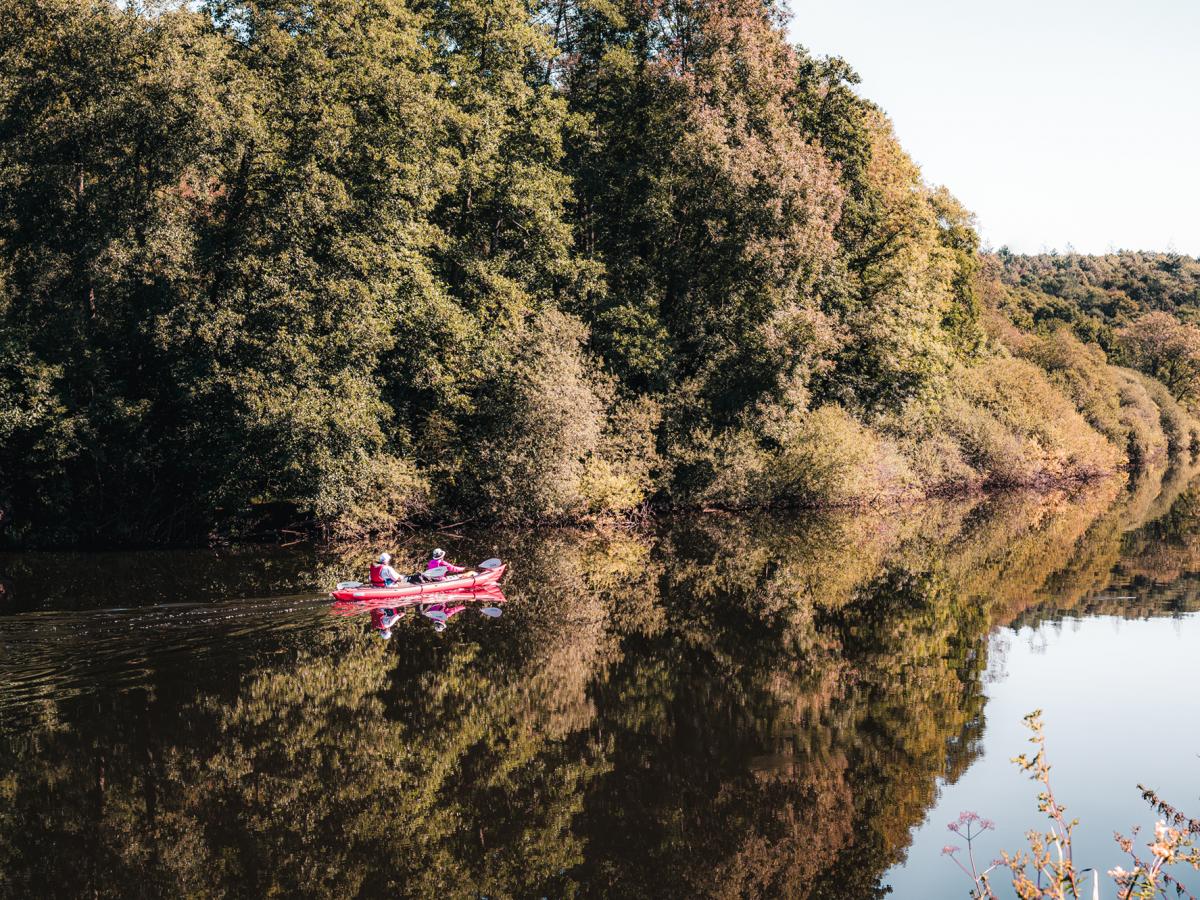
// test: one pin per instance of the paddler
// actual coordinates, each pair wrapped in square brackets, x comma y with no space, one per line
[438,561]
[382,573]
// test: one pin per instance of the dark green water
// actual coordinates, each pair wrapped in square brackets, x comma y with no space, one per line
[722,706]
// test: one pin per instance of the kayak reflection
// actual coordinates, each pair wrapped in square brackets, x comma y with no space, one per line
[440,608]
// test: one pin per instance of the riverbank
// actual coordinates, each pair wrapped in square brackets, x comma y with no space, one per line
[600,551]
[280,524]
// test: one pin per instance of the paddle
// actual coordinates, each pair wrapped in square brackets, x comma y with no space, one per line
[439,572]
[436,614]
[490,564]
[346,585]
[491,612]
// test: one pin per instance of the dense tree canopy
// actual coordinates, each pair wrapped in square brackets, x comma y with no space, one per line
[354,262]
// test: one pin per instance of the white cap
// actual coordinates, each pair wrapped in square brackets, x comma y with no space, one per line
[439,553]
[385,558]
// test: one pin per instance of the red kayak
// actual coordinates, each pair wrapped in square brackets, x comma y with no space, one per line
[409,594]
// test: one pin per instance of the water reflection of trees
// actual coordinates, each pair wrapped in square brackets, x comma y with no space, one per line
[729,706]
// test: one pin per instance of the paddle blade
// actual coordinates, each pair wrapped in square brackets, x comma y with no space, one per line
[436,614]
[490,564]
[439,572]
[347,585]
[491,612]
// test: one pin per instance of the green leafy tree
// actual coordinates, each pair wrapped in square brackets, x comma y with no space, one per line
[112,125]
[312,251]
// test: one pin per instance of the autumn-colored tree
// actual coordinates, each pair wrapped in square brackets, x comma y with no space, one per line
[1169,350]
[711,212]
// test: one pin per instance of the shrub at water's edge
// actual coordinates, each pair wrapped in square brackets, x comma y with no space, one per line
[354,265]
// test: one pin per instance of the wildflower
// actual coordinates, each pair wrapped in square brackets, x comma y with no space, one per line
[966,818]
[950,850]
[1166,838]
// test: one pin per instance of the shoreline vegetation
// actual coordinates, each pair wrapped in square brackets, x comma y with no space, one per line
[361,264]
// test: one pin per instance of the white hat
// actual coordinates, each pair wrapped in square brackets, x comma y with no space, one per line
[439,553]
[385,558]
[385,633]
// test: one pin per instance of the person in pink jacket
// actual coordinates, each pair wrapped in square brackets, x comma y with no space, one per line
[438,560]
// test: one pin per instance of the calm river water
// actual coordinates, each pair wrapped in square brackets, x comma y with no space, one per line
[722,706]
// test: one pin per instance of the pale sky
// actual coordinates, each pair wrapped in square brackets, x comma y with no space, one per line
[1058,122]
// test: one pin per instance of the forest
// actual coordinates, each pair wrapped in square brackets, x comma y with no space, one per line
[357,263]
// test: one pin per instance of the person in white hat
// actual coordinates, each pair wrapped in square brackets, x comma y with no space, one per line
[382,573]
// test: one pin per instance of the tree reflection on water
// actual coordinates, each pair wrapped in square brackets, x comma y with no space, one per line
[726,706]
